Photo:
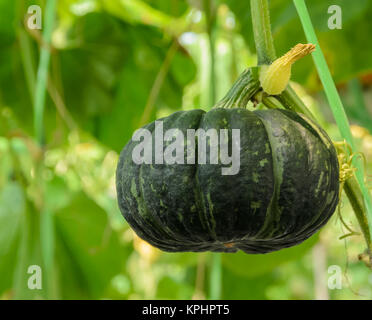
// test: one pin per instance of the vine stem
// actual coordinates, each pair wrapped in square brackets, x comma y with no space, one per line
[262,31]
[42,72]
[46,217]
[355,196]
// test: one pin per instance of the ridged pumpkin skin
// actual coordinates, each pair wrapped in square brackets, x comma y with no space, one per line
[286,189]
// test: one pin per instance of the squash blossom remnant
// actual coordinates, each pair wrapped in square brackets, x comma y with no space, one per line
[275,77]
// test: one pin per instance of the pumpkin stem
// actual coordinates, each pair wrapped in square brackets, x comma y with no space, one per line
[243,90]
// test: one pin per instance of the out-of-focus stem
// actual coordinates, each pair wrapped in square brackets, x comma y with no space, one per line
[262,31]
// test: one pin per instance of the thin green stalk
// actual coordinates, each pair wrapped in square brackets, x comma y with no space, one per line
[213,85]
[337,109]
[42,72]
[46,221]
[262,31]
[210,23]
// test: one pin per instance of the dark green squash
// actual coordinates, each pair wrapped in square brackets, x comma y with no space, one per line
[286,189]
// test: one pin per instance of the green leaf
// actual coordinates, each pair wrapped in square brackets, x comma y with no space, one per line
[88,250]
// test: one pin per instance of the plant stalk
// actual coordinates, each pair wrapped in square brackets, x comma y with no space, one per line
[42,72]
[243,90]
[46,219]
[356,199]
[262,31]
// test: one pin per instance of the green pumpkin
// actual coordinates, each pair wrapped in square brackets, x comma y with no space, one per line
[287,186]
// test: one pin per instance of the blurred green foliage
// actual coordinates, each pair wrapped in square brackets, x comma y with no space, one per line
[113,65]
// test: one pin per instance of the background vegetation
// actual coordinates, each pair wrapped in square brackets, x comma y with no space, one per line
[114,66]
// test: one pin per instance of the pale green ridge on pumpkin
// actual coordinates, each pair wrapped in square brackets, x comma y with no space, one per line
[139,200]
[148,216]
[202,210]
[319,183]
[273,211]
